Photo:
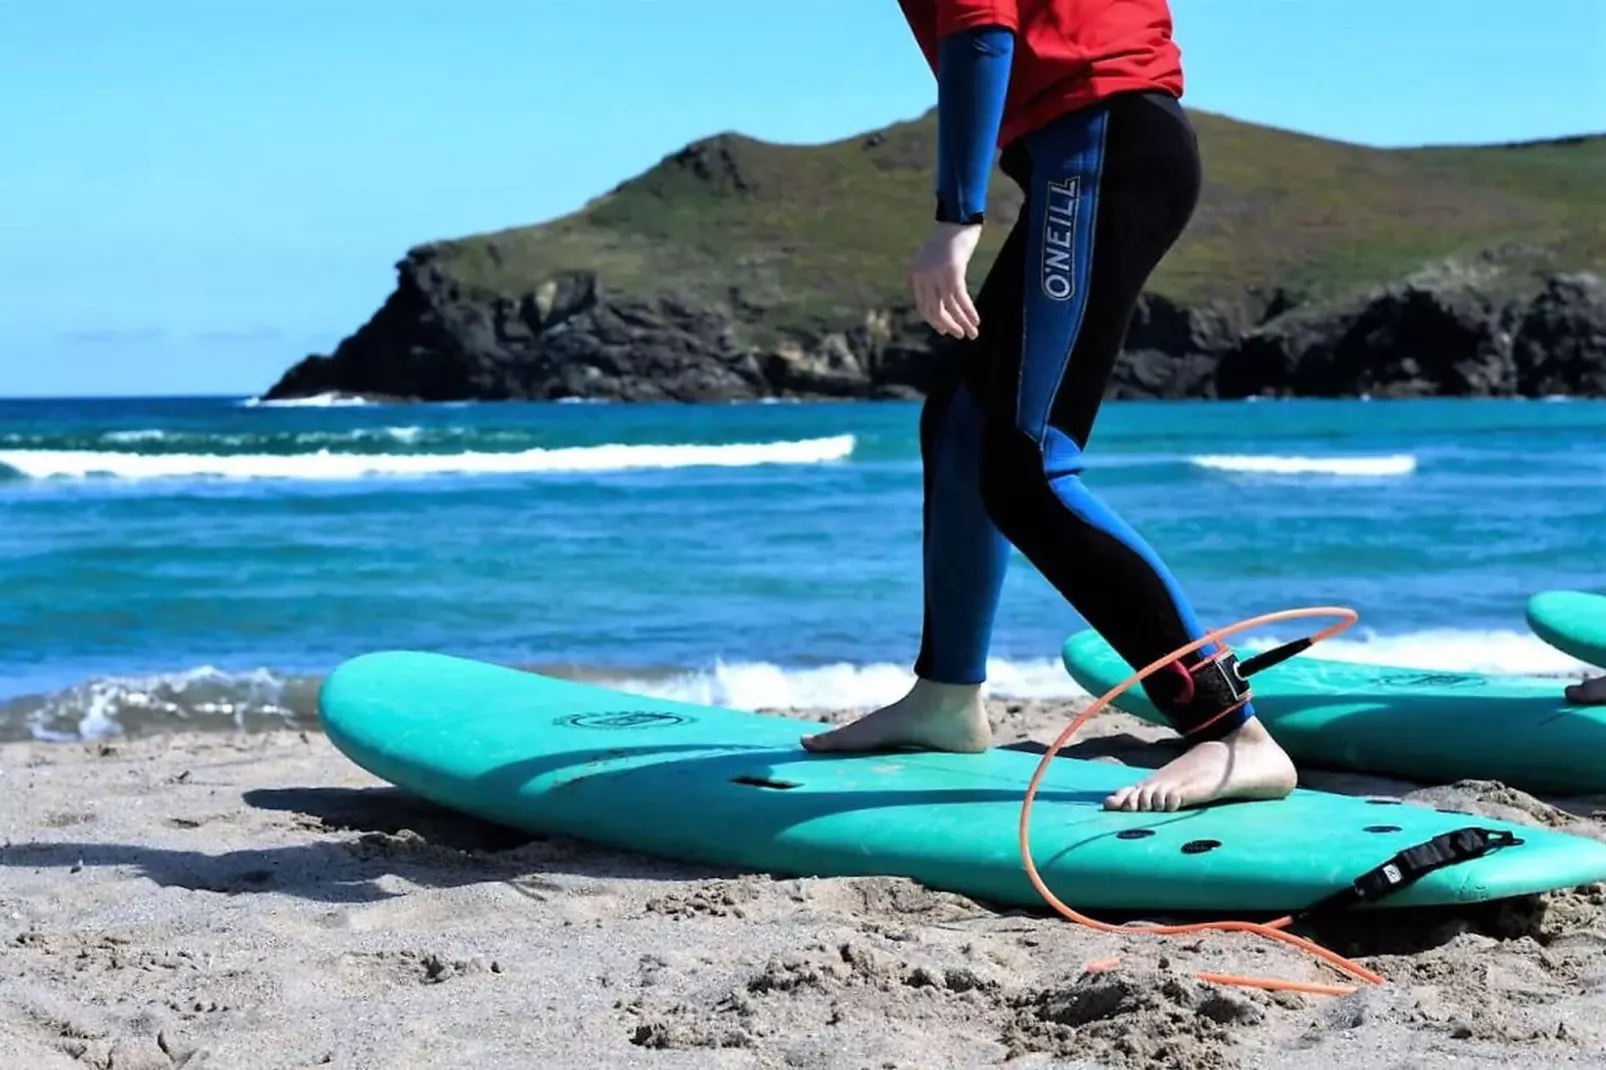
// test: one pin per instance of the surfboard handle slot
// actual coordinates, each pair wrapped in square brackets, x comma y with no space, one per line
[765,782]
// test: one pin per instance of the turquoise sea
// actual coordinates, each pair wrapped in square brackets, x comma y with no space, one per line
[200,562]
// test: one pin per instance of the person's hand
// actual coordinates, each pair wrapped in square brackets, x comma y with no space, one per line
[937,279]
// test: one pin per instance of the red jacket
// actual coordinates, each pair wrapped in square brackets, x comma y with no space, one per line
[1068,53]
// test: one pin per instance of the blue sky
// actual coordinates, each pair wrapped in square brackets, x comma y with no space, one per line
[196,193]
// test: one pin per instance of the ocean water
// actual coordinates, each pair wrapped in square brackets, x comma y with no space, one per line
[200,562]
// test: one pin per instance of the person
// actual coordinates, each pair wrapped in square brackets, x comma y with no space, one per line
[1083,97]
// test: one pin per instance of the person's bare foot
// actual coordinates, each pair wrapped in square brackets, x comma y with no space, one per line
[1591,692]
[932,716]
[1246,765]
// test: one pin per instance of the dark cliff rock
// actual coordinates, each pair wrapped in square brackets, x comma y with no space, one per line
[433,340]
[1441,333]
[1174,352]
[1404,340]
[1560,346]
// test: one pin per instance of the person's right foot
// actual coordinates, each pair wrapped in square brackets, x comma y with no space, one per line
[932,716]
[1248,764]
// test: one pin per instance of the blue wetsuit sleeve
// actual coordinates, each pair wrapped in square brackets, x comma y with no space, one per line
[972,80]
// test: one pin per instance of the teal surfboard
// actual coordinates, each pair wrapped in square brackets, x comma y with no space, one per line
[1571,621]
[735,789]
[1397,721]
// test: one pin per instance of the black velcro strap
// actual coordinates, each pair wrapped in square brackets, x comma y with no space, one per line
[1414,863]
[1218,683]
[1197,698]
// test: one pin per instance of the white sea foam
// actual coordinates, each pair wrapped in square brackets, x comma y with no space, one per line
[760,684]
[206,698]
[193,699]
[316,401]
[327,465]
[1398,464]
[146,434]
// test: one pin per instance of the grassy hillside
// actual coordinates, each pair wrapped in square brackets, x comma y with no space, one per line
[800,236]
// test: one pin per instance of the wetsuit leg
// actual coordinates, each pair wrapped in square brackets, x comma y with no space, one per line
[965,557]
[1110,190]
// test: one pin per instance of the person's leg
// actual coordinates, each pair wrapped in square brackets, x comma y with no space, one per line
[1590,692]
[964,556]
[1112,189]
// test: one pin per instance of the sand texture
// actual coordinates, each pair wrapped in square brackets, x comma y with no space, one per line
[245,901]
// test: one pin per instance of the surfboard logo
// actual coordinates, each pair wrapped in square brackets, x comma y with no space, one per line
[1432,679]
[623,719]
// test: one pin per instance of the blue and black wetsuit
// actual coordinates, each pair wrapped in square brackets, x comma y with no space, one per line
[1109,188]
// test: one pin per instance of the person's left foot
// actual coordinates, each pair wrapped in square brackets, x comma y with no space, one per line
[932,716]
[1246,765]
[1591,692]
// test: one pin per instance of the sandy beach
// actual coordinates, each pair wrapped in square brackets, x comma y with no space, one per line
[244,901]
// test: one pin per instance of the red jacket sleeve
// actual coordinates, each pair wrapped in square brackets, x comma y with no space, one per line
[956,15]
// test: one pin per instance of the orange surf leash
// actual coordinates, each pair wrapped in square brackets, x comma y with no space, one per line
[1272,930]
